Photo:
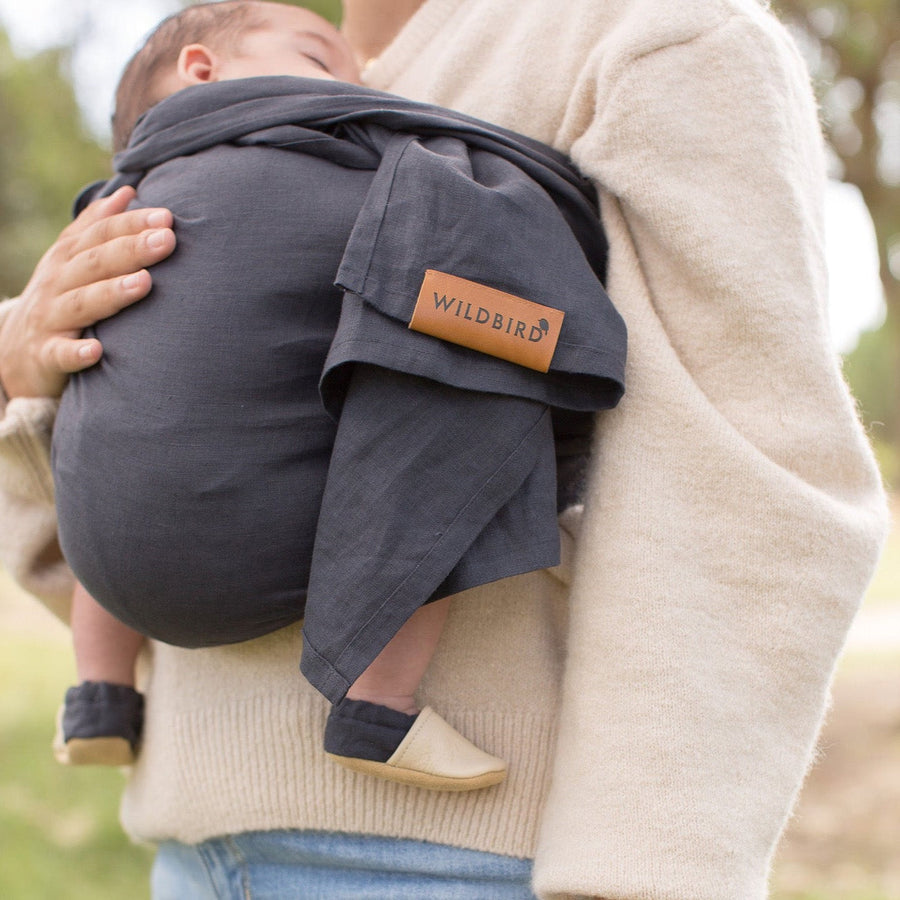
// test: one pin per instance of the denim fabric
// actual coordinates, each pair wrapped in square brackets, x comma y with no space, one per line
[312,865]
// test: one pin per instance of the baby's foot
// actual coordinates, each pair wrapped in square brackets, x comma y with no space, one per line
[421,750]
[99,724]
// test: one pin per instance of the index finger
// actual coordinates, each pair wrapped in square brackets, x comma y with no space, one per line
[120,256]
[93,232]
[116,202]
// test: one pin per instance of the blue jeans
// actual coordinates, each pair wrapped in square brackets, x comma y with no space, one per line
[317,865]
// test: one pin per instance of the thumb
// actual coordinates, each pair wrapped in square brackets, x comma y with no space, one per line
[69,355]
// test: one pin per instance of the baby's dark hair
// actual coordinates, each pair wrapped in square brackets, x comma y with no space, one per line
[220,24]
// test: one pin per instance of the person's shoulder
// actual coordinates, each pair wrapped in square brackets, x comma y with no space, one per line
[607,34]
[651,51]
[624,33]
[648,25]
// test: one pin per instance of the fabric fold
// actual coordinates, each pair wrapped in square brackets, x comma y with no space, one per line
[431,468]
[448,192]
[480,507]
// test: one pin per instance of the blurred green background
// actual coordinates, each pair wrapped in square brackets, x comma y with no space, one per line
[59,832]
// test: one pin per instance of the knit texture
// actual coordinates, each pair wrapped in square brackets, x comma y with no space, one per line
[28,547]
[658,717]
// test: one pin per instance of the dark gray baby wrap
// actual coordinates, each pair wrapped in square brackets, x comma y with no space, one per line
[265,439]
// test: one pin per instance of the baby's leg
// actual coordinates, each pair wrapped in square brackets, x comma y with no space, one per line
[379,730]
[102,717]
[105,648]
[394,676]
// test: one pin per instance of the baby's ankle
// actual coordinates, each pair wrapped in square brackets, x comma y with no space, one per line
[404,703]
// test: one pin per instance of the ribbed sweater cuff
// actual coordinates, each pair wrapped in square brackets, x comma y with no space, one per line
[268,748]
[26,428]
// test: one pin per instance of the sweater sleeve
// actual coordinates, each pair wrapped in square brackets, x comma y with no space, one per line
[735,513]
[28,545]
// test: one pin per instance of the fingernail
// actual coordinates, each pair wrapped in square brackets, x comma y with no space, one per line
[157,219]
[156,239]
[131,282]
[86,351]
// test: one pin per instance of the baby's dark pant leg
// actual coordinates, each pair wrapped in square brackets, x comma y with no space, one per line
[419,471]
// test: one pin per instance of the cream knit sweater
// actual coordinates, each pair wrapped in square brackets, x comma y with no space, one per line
[658,716]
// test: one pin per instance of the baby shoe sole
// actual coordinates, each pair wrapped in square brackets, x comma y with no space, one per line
[434,755]
[411,777]
[98,751]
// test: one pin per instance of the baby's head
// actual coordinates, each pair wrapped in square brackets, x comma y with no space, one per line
[219,41]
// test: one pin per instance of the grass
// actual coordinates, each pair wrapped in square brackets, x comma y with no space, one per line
[842,841]
[60,835]
[59,829]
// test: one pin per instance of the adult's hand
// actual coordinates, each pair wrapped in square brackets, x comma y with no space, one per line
[94,269]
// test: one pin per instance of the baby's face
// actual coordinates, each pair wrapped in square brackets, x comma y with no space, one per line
[292,41]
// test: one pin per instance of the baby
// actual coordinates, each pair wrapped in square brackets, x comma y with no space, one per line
[206,494]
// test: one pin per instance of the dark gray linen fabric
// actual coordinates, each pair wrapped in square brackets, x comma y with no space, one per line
[265,437]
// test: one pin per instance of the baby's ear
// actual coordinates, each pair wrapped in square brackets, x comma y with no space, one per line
[197,64]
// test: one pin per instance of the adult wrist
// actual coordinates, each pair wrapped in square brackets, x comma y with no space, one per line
[10,374]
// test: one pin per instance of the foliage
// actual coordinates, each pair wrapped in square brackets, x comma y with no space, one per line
[45,157]
[330,9]
[871,370]
[853,49]
[47,154]
[59,827]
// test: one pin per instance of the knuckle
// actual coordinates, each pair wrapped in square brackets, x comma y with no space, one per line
[48,353]
[101,231]
[63,248]
[93,259]
[34,319]
[77,303]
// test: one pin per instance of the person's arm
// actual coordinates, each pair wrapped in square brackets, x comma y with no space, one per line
[94,269]
[735,513]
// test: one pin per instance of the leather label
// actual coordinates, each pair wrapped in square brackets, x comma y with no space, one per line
[482,318]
